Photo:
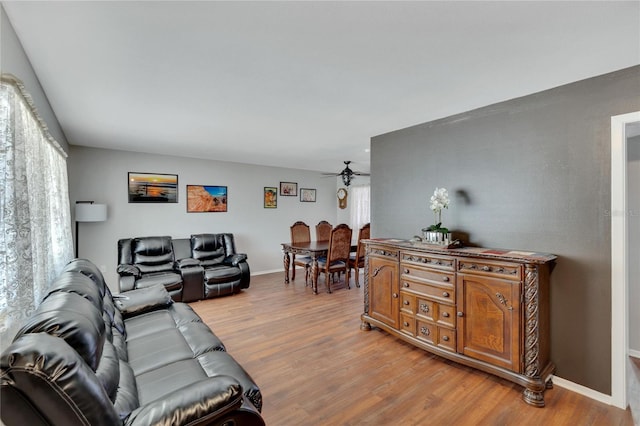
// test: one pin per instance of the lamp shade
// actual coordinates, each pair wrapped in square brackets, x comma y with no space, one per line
[86,212]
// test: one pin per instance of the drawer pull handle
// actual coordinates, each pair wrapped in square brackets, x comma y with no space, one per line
[445,294]
[472,267]
[406,285]
[445,314]
[395,295]
[406,302]
[406,324]
[424,308]
[445,279]
[406,271]
[445,338]
[438,263]
[423,260]
[486,268]
[460,314]
[425,331]
[500,270]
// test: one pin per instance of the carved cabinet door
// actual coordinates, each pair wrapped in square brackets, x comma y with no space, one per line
[489,320]
[384,290]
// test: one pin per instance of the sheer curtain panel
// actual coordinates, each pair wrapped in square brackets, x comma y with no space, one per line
[360,210]
[35,218]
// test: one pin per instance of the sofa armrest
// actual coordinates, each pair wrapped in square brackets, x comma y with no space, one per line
[138,301]
[125,269]
[235,259]
[127,283]
[187,262]
[205,400]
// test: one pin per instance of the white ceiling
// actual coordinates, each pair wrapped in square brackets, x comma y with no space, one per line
[302,84]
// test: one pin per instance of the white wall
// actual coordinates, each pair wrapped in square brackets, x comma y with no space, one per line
[13,60]
[101,175]
[633,191]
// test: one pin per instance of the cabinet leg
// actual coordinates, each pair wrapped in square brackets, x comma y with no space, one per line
[365,326]
[535,398]
[549,384]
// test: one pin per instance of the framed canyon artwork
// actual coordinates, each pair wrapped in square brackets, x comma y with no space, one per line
[206,198]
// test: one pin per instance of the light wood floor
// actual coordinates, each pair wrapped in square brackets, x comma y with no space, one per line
[316,367]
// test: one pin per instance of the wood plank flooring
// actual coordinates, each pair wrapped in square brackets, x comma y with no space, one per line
[316,367]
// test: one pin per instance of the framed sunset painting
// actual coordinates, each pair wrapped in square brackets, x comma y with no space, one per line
[153,188]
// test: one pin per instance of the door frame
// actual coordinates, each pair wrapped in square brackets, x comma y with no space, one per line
[619,258]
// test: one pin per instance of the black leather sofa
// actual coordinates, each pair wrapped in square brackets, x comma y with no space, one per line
[86,357]
[200,267]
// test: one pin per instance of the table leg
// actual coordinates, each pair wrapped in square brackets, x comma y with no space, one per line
[287,262]
[314,275]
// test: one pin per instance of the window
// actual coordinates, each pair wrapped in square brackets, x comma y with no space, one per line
[35,219]
[360,211]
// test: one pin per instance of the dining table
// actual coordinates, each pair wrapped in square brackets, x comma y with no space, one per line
[313,249]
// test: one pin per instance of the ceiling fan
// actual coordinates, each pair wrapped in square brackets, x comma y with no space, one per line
[347,174]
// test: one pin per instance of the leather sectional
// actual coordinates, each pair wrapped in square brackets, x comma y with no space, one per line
[200,267]
[87,357]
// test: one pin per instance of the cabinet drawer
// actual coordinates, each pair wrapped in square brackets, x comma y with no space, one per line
[408,324]
[407,303]
[426,259]
[491,268]
[439,277]
[436,312]
[425,309]
[382,251]
[440,293]
[427,332]
[447,338]
[446,315]
[442,337]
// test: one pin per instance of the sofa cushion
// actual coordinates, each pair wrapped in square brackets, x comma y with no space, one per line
[55,377]
[170,280]
[152,254]
[72,318]
[209,249]
[221,274]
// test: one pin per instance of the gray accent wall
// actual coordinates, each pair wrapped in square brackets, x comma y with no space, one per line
[532,173]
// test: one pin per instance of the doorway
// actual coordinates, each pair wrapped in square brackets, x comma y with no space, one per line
[622,126]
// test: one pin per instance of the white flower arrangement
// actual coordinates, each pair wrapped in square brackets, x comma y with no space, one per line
[439,201]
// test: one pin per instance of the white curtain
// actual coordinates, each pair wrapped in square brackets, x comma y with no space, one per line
[359,212]
[35,218]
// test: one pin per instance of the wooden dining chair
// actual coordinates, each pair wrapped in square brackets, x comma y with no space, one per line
[356,259]
[323,230]
[300,233]
[337,257]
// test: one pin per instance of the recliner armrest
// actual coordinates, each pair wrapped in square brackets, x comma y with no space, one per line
[126,269]
[235,259]
[200,402]
[127,282]
[187,262]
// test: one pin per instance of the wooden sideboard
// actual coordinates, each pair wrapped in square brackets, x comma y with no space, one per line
[485,308]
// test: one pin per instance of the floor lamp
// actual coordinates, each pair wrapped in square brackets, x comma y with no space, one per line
[87,211]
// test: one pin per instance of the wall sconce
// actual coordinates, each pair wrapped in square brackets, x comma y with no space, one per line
[87,211]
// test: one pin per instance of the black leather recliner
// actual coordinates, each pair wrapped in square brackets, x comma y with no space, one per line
[225,271]
[147,261]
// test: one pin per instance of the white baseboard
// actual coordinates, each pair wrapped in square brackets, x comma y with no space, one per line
[582,390]
[634,353]
[269,272]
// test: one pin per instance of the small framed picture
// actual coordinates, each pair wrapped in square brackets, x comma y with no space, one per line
[288,189]
[270,197]
[206,199]
[307,195]
[153,188]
